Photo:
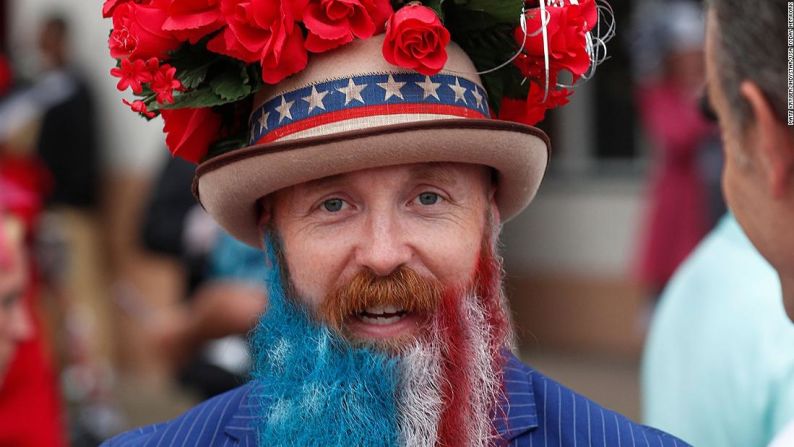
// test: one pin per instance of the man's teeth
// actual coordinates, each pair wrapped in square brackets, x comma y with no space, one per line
[382,320]
[379,310]
[382,315]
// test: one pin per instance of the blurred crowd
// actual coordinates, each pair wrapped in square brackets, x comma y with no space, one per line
[65,294]
[104,279]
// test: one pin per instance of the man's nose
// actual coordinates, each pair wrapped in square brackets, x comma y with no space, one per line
[383,247]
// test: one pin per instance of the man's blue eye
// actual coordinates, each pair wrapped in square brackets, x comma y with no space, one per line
[428,198]
[333,205]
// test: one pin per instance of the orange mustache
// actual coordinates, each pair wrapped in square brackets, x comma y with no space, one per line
[404,289]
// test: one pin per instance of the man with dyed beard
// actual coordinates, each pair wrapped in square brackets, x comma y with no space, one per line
[377,194]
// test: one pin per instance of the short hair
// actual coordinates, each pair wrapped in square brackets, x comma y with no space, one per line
[751,45]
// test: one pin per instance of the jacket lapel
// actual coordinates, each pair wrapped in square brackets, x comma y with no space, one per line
[517,412]
[240,426]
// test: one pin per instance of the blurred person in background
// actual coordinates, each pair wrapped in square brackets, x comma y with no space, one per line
[31,413]
[203,336]
[667,43]
[719,366]
[15,321]
[67,139]
[48,130]
[55,115]
[31,408]
[720,325]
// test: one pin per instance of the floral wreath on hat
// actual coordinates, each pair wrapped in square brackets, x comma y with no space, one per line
[199,62]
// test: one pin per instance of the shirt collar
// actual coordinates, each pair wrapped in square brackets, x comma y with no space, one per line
[241,424]
[517,410]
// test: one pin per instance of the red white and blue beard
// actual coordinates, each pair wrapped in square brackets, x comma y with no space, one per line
[451,378]
[449,372]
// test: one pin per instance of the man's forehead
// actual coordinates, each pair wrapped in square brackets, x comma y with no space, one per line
[444,173]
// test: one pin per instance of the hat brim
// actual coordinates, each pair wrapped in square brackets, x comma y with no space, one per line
[229,186]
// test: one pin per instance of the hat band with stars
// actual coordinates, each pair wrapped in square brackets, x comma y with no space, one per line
[365,101]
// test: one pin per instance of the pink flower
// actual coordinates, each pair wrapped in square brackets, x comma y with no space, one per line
[566,37]
[332,23]
[139,107]
[193,19]
[164,84]
[189,132]
[131,74]
[264,31]
[138,32]
[416,39]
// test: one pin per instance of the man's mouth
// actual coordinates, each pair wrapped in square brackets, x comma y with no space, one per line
[382,315]
[384,322]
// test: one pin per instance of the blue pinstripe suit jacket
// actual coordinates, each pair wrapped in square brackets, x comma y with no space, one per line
[538,412]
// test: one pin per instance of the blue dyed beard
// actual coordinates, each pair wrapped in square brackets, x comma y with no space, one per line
[312,386]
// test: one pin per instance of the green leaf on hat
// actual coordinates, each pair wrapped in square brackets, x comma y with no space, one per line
[193,77]
[488,49]
[192,63]
[231,85]
[500,10]
[203,97]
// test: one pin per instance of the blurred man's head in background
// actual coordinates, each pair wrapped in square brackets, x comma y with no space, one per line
[15,323]
[53,41]
[746,72]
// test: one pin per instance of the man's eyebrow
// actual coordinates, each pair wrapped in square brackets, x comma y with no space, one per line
[434,173]
[321,183]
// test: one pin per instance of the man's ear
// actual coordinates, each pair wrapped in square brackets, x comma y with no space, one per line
[773,140]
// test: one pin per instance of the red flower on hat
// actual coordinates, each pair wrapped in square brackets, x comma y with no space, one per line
[565,32]
[532,110]
[139,107]
[132,74]
[264,31]
[110,5]
[164,84]
[189,132]
[332,23]
[193,19]
[416,39]
[138,32]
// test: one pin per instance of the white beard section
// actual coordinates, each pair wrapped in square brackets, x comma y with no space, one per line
[419,400]
[485,381]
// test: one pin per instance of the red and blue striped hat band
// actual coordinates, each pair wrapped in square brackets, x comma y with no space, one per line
[365,101]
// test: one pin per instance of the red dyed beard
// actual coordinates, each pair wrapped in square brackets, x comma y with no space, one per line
[459,351]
